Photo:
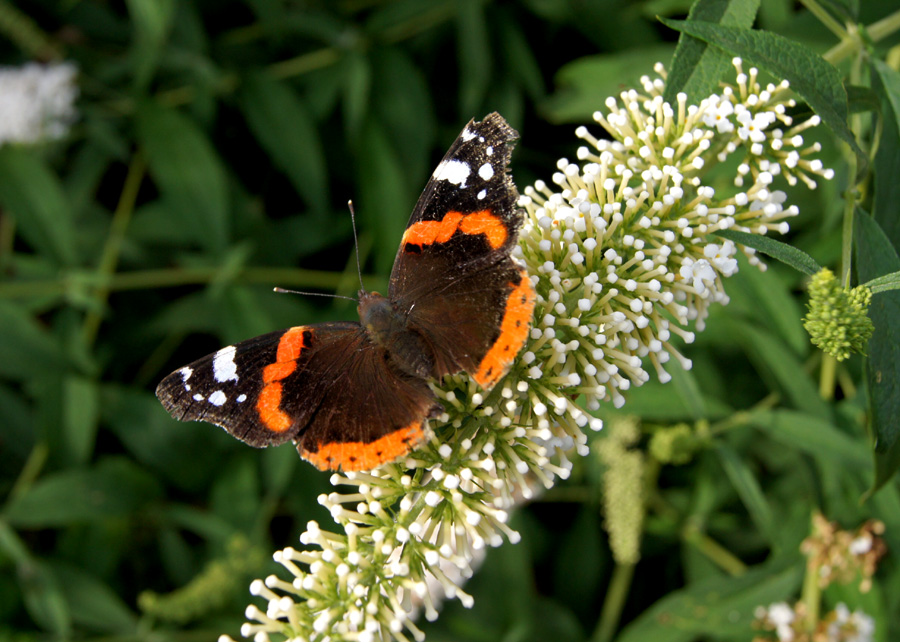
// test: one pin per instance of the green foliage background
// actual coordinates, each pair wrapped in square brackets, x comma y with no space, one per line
[217,146]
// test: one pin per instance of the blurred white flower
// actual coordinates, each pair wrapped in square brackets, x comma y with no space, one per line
[37,102]
[850,627]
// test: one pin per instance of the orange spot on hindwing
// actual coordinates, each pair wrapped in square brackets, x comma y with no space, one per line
[483,222]
[513,333]
[358,455]
[268,405]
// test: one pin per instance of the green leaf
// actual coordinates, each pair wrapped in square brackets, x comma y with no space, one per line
[235,493]
[385,201]
[768,297]
[584,84]
[473,50]
[159,442]
[282,124]
[151,20]
[876,256]
[787,254]
[80,415]
[44,598]
[814,79]
[717,608]
[862,99]
[654,401]
[278,466]
[403,106]
[35,198]
[520,58]
[114,488]
[812,435]
[697,69]
[581,564]
[773,359]
[748,489]
[188,173]
[93,603]
[357,85]
[886,83]
[19,434]
[26,348]
[884,283]
[688,391]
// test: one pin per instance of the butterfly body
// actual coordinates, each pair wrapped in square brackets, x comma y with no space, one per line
[388,329]
[356,395]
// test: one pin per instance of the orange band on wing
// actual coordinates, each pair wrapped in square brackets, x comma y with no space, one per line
[483,222]
[291,344]
[428,232]
[513,333]
[269,408]
[357,455]
[278,371]
[487,224]
[268,405]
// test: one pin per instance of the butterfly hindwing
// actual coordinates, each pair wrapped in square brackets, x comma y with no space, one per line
[325,386]
[453,275]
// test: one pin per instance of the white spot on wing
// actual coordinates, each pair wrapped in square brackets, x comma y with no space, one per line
[489,150]
[241,398]
[186,373]
[217,398]
[224,367]
[482,194]
[486,172]
[467,135]
[453,171]
[198,397]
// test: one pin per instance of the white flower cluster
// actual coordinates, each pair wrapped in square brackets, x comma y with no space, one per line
[840,625]
[623,241]
[414,531]
[780,617]
[622,262]
[850,627]
[37,102]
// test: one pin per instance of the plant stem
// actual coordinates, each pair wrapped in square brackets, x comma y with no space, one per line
[616,593]
[109,259]
[827,377]
[31,470]
[25,33]
[825,18]
[887,26]
[171,277]
[715,552]
[812,593]
[7,240]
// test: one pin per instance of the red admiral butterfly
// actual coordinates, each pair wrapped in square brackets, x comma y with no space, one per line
[355,395]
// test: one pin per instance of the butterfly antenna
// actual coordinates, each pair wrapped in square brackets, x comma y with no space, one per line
[355,243]
[330,296]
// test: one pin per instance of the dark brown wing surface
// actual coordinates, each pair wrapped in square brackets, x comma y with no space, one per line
[453,277]
[325,386]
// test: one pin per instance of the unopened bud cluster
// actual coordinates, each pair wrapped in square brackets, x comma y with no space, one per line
[837,320]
